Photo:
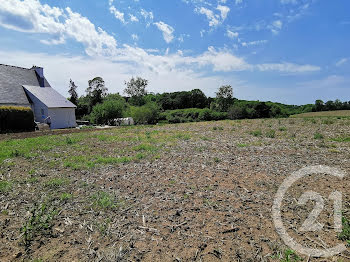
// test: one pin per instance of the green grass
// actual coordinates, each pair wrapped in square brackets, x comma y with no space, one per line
[256,133]
[242,145]
[145,147]
[282,128]
[65,196]
[341,139]
[270,133]
[5,186]
[103,200]
[345,234]
[339,113]
[39,223]
[318,136]
[56,182]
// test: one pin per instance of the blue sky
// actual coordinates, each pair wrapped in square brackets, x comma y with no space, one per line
[290,51]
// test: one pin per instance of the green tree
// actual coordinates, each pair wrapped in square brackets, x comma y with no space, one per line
[96,91]
[146,114]
[136,89]
[224,97]
[107,111]
[73,92]
[319,105]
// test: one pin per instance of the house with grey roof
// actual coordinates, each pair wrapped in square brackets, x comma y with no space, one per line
[29,88]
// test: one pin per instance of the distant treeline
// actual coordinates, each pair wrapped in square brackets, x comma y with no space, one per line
[99,107]
[331,105]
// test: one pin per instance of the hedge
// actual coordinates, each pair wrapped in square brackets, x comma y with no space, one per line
[16,119]
[192,115]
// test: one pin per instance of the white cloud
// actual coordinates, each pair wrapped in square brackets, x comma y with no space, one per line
[289,1]
[119,15]
[135,37]
[329,82]
[213,19]
[237,2]
[288,68]
[133,18]
[231,34]
[342,62]
[254,43]
[276,26]
[167,31]
[96,42]
[224,10]
[31,16]
[148,16]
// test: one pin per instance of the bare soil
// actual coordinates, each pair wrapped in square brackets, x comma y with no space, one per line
[198,192]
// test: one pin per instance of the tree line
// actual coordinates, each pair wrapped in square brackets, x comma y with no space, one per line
[98,106]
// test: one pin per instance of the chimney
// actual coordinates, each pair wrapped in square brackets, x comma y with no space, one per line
[40,74]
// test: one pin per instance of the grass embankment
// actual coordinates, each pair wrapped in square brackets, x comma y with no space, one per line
[339,113]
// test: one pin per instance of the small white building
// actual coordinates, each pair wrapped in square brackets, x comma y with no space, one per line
[28,87]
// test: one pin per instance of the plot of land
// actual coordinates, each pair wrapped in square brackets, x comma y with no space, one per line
[339,113]
[185,192]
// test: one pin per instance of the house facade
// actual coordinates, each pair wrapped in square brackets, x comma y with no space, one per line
[29,88]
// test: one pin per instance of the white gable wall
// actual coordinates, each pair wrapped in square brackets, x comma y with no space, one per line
[37,108]
[62,117]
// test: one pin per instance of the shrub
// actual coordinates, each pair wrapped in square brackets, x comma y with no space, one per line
[192,115]
[15,119]
[147,114]
[108,110]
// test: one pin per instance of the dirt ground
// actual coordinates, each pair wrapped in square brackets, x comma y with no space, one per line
[184,192]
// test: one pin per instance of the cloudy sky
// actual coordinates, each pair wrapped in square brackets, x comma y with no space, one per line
[290,51]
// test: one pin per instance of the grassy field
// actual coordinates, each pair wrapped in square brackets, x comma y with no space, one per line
[339,113]
[185,192]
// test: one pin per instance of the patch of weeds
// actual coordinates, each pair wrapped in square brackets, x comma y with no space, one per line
[103,200]
[328,122]
[69,141]
[256,133]
[242,145]
[5,186]
[288,256]
[32,180]
[341,139]
[144,147]
[183,136]
[204,138]
[318,136]
[113,160]
[186,196]
[39,222]
[218,128]
[291,121]
[217,160]
[345,234]
[103,227]
[282,128]
[271,133]
[172,182]
[65,197]
[140,156]
[16,153]
[56,182]
[32,171]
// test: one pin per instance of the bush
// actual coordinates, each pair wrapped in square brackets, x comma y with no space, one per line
[192,115]
[108,110]
[16,118]
[147,114]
